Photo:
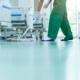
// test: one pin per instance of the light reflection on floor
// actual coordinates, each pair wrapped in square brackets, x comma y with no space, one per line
[40,60]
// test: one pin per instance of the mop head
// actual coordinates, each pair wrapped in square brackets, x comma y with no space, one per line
[17,39]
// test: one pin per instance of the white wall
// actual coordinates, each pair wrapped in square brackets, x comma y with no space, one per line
[14,2]
[35,5]
[25,3]
[0,0]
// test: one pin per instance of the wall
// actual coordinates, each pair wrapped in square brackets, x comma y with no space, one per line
[14,2]
[35,5]
[1,0]
[25,3]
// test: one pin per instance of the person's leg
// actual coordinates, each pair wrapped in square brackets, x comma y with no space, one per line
[65,27]
[56,18]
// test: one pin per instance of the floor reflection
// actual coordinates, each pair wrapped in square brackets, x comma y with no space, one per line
[39,60]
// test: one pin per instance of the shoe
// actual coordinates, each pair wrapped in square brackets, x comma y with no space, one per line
[47,39]
[66,40]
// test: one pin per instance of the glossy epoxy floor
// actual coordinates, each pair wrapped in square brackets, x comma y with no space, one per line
[40,60]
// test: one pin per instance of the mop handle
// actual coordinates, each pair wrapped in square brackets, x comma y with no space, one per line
[30,25]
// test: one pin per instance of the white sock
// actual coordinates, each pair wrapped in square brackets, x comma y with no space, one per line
[46,38]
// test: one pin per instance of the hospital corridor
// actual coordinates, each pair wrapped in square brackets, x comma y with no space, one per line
[39,40]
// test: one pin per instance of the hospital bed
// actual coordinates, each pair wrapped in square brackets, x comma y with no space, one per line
[40,25]
[5,15]
[18,19]
[21,19]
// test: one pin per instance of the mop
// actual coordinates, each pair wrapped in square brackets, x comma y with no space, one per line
[22,39]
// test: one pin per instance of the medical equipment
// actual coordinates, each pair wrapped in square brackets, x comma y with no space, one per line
[5,15]
[20,19]
[34,26]
[37,25]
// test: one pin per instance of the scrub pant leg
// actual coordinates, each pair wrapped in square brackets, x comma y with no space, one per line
[56,21]
[65,27]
